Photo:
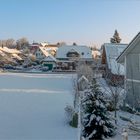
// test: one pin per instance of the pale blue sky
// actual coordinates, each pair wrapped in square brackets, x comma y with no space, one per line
[83,21]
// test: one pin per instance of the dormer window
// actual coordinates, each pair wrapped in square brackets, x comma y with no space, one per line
[73,53]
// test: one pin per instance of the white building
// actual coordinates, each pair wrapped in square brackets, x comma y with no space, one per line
[68,52]
[110,51]
[41,53]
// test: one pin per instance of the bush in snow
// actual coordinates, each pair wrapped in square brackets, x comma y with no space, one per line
[69,111]
[74,121]
[72,116]
[96,120]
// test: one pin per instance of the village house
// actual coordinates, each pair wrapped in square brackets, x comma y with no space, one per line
[45,58]
[71,54]
[33,47]
[50,62]
[112,70]
[41,53]
[51,48]
[130,58]
[68,52]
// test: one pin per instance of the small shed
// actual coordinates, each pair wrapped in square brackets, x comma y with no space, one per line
[82,83]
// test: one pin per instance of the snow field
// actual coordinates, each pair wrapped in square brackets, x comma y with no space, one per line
[32,107]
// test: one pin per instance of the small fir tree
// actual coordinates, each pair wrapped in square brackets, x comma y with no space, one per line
[116,38]
[96,120]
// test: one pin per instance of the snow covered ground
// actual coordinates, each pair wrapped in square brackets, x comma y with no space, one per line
[32,106]
[121,124]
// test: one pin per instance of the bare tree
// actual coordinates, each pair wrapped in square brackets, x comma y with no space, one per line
[82,70]
[2,43]
[10,42]
[94,48]
[86,70]
[113,86]
[22,42]
[7,42]
[116,92]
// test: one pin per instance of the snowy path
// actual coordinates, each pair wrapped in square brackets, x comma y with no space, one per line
[32,107]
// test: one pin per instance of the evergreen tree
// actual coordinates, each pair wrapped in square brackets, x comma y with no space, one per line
[96,119]
[116,38]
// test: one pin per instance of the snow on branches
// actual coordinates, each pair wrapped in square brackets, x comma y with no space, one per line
[96,120]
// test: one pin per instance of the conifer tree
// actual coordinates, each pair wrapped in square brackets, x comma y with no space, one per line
[116,38]
[96,120]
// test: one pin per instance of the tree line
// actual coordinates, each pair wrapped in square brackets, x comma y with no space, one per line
[11,43]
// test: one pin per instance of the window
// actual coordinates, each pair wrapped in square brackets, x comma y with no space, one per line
[72,54]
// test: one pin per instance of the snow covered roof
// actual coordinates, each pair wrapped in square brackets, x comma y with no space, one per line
[129,47]
[83,78]
[17,56]
[112,52]
[2,53]
[44,43]
[7,50]
[44,51]
[84,51]
[52,46]
[50,58]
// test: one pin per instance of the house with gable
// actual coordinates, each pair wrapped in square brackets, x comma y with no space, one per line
[130,58]
[49,61]
[112,70]
[33,47]
[51,48]
[45,58]
[74,52]
[71,54]
[41,53]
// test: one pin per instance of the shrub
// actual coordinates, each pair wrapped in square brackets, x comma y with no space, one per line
[72,116]
[74,121]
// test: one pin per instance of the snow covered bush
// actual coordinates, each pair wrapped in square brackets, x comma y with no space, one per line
[74,121]
[96,120]
[71,115]
[69,111]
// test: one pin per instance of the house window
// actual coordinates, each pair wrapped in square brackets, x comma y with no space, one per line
[72,54]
